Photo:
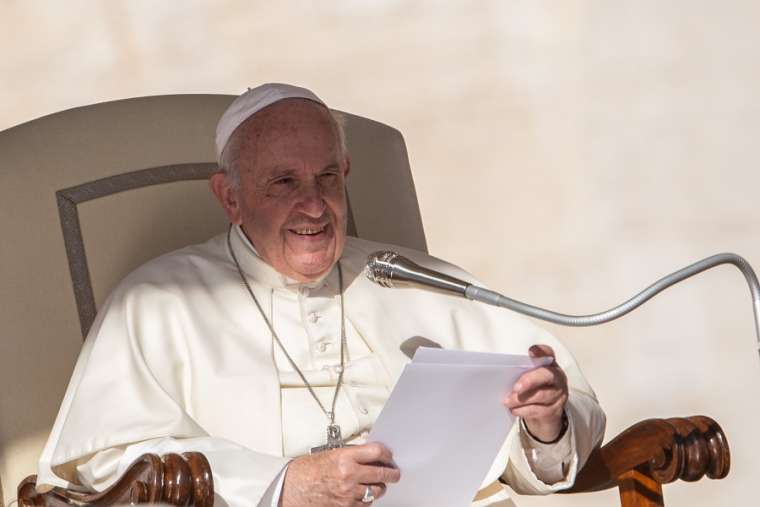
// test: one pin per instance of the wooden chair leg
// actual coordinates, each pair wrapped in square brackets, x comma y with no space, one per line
[638,489]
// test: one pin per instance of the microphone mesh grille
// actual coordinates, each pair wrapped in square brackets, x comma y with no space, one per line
[379,267]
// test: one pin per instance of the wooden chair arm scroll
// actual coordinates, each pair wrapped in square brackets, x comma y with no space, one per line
[655,452]
[183,480]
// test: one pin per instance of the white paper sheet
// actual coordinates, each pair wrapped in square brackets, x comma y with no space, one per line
[446,356]
[444,423]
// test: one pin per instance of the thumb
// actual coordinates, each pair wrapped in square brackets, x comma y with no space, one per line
[540,350]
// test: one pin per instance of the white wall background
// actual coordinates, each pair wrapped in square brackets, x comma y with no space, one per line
[568,153]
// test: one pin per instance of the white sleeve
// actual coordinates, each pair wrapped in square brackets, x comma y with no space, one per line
[241,477]
[130,394]
[274,492]
[586,422]
[550,462]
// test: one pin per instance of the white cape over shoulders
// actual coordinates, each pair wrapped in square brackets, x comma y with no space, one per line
[176,352]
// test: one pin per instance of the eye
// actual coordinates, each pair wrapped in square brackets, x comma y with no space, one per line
[281,186]
[328,178]
[286,180]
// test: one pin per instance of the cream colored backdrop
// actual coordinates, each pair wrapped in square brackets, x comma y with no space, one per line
[568,153]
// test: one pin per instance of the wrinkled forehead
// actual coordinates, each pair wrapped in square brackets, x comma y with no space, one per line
[252,101]
[290,126]
[290,114]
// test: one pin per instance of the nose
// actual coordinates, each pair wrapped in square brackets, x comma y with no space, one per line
[310,199]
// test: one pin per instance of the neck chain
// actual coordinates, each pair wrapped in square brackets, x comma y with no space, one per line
[334,437]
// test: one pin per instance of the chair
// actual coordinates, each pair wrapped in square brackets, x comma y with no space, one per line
[132,171]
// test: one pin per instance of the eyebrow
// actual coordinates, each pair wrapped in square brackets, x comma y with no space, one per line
[281,171]
[278,172]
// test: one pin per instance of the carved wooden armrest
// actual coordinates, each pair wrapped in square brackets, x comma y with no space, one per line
[638,461]
[173,479]
[655,452]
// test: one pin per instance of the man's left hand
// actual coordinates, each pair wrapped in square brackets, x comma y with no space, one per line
[539,397]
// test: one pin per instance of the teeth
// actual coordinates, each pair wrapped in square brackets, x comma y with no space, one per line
[308,231]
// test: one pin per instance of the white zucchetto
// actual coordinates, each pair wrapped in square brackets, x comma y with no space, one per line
[252,101]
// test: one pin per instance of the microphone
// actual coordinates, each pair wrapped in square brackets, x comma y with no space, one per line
[390,269]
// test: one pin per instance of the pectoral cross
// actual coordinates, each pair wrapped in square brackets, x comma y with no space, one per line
[334,440]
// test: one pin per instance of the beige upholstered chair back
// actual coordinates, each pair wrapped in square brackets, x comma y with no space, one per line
[89,194]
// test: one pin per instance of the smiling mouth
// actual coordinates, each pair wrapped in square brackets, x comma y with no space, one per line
[310,230]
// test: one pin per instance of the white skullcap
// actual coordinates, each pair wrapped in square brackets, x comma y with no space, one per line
[255,99]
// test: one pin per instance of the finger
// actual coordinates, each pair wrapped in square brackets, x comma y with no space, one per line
[541,350]
[546,395]
[539,412]
[373,452]
[540,377]
[369,474]
[377,490]
[542,386]
[534,378]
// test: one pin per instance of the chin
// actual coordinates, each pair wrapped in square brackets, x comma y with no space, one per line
[312,269]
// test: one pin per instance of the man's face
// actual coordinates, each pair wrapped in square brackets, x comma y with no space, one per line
[291,200]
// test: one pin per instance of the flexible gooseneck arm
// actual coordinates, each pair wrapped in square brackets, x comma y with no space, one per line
[390,269]
[493,298]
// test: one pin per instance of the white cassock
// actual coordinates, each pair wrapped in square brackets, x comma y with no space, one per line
[180,359]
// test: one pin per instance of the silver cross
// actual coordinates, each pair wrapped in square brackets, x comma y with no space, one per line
[334,440]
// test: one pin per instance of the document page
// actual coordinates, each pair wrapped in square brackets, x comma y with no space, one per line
[445,422]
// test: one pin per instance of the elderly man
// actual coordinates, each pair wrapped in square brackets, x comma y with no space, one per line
[267,342]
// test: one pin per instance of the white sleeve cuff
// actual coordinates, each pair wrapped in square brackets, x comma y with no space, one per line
[549,462]
[274,491]
[585,431]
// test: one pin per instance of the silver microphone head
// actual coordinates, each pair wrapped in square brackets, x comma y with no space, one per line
[379,267]
[390,269]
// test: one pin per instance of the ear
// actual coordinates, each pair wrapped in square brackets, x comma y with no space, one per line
[227,195]
[348,166]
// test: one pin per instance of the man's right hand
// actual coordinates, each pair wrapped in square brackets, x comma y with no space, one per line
[339,477]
